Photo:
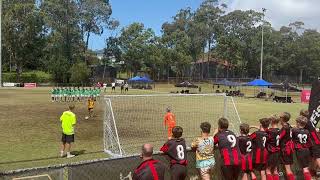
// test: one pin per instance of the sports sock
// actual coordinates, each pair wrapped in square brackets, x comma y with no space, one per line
[307,175]
[290,177]
[276,177]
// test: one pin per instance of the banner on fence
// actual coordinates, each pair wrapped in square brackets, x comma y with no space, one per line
[8,84]
[30,85]
[305,96]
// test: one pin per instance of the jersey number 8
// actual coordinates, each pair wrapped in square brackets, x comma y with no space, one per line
[180,152]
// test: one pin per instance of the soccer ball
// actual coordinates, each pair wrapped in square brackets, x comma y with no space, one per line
[86,118]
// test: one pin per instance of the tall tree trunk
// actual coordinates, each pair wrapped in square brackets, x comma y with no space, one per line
[202,62]
[209,47]
[87,40]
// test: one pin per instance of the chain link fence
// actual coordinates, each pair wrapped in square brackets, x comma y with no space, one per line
[111,169]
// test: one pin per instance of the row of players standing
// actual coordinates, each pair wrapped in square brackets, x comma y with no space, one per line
[72,94]
[263,151]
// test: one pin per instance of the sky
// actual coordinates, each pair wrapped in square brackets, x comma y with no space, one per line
[153,13]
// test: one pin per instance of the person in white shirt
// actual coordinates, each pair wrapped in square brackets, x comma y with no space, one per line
[113,86]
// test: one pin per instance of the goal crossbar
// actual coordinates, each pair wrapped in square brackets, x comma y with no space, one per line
[139,115]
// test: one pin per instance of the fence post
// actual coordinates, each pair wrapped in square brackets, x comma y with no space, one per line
[225,106]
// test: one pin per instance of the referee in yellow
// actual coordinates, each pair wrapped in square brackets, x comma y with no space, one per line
[68,121]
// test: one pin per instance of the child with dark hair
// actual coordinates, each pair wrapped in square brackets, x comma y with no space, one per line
[302,143]
[273,147]
[204,147]
[245,145]
[259,139]
[176,150]
[286,144]
[229,150]
[314,138]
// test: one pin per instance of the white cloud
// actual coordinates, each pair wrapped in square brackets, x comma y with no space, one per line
[283,12]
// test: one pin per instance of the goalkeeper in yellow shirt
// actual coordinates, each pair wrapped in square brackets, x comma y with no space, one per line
[90,106]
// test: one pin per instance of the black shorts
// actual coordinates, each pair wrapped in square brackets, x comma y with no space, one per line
[126,89]
[178,172]
[89,109]
[315,151]
[67,138]
[303,157]
[286,159]
[113,88]
[273,159]
[229,172]
[260,167]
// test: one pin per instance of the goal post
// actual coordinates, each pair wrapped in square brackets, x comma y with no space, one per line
[132,120]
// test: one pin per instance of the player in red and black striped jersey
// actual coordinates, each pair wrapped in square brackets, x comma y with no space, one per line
[259,152]
[149,169]
[229,150]
[245,146]
[302,143]
[273,147]
[286,144]
[176,150]
[314,137]
[259,139]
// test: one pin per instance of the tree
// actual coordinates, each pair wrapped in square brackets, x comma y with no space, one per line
[23,35]
[134,42]
[80,73]
[237,42]
[94,16]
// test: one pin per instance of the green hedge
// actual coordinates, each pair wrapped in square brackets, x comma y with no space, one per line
[33,76]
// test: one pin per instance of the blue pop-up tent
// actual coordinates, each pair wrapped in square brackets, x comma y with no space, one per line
[259,82]
[143,79]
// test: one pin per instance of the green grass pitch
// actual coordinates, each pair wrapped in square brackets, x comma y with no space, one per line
[30,128]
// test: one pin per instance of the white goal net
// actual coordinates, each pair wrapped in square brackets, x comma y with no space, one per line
[132,120]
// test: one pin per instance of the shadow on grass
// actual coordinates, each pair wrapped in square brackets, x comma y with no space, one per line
[77,153]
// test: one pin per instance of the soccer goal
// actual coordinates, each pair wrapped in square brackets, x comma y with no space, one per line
[132,120]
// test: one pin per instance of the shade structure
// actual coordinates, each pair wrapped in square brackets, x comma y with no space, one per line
[259,82]
[143,79]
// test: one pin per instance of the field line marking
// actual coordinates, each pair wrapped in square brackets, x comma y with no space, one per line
[30,177]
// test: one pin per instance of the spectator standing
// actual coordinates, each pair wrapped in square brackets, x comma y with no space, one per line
[68,121]
[176,151]
[204,147]
[105,87]
[122,87]
[149,169]
[126,87]
[113,86]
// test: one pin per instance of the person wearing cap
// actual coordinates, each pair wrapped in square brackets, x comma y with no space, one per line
[149,169]
[169,121]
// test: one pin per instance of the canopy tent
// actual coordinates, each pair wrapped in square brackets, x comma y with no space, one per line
[285,86]
[225,82]
[259,82]
[143,79]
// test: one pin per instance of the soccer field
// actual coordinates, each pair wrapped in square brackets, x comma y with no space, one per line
[30,128]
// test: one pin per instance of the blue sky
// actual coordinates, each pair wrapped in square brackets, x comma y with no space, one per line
[153,13]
